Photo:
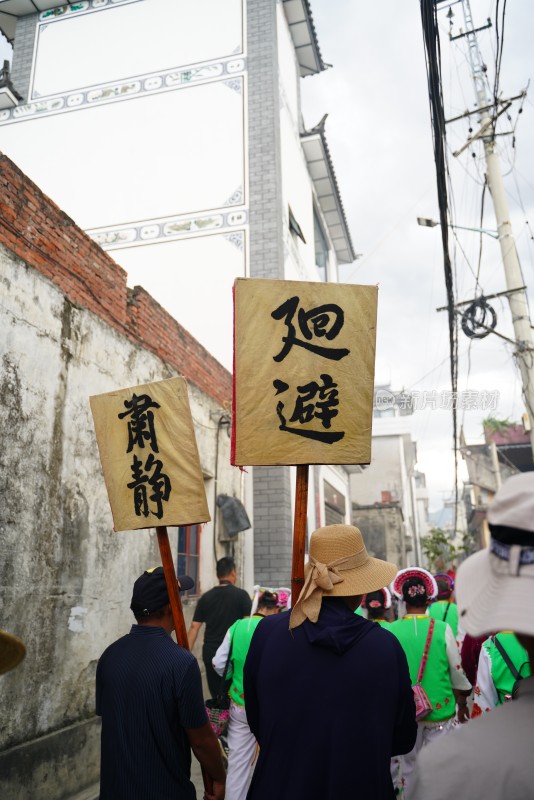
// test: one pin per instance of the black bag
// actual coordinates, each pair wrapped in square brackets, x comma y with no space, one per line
[511,666]
[218,708]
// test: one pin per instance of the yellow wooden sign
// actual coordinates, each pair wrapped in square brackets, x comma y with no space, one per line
[149,455]
[304,372]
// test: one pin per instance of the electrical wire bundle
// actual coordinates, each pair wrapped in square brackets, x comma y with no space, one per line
[437,114]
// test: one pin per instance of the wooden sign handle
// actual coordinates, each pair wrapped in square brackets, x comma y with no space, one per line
[299,531]
[176,608]
[172,586]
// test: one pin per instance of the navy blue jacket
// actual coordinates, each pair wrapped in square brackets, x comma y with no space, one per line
[148,693]
[329,704]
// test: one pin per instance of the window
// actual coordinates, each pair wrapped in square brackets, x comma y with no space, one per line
[188,555]
[294,227]
[321,247]
[334,505]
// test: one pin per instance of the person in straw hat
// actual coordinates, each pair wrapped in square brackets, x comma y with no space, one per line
[328,693]
[491,757]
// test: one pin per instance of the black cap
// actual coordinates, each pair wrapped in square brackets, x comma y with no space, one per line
[150,591]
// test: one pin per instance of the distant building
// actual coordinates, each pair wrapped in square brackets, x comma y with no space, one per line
[384,530]
[506,451]
[392,481]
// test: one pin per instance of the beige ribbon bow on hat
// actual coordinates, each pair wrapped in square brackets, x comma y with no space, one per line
[319,578]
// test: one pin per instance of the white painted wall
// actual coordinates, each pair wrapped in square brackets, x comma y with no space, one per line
[297,187]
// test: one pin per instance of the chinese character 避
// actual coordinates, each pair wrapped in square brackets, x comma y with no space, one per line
[323,408]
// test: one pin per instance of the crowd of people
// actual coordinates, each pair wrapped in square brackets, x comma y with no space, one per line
[368,686]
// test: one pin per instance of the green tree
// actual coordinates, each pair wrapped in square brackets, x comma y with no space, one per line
[439,551]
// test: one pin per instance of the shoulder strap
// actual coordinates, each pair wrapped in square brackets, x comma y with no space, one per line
[507,660]
[424,659]
[222,684]
[446,612]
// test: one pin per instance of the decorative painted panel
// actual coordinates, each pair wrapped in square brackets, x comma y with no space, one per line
[166,155]
[116,42]
[111,238]
[153,83]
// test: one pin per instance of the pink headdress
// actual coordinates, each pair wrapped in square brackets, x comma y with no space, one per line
[375,603]
[403,575]
[444,577]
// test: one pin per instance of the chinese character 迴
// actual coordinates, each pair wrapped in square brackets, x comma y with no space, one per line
[325,399]
[323,321]
[141,424]
[157,481]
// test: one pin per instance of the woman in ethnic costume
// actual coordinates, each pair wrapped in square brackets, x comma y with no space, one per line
[445,608]
[377,603]
[241,741]
[443,680]
[502,663]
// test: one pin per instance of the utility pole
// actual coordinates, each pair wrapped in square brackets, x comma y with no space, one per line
[517,298]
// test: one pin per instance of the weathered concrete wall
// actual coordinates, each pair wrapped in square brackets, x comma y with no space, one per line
[69,328]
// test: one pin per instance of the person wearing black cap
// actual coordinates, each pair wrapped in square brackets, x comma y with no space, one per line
[149,695]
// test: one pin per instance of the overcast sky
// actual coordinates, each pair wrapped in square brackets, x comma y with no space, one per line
[381,143]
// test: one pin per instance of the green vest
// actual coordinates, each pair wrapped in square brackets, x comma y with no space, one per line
[241,634]
[411,633]
[501,675]
[439,611]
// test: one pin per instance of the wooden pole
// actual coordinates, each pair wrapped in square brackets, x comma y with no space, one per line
[176,608]
[299,531]
[172,586]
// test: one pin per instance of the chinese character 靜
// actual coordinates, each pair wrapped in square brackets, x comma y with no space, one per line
[150,475]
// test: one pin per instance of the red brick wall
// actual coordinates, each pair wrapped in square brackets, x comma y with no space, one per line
[44,237]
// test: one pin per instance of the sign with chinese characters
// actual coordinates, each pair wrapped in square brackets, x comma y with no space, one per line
[304,372]
[149,455]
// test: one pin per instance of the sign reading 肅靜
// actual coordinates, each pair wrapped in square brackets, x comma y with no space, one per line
[304,372]
[149,455]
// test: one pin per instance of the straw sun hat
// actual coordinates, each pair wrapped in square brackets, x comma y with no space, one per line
[12,651]
[338,566]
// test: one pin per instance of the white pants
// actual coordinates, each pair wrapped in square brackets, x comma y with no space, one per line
[426,732]
[242,752]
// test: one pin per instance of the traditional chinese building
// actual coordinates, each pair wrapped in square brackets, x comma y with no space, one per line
[173,134]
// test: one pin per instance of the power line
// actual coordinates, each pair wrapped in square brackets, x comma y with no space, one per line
[435,92]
